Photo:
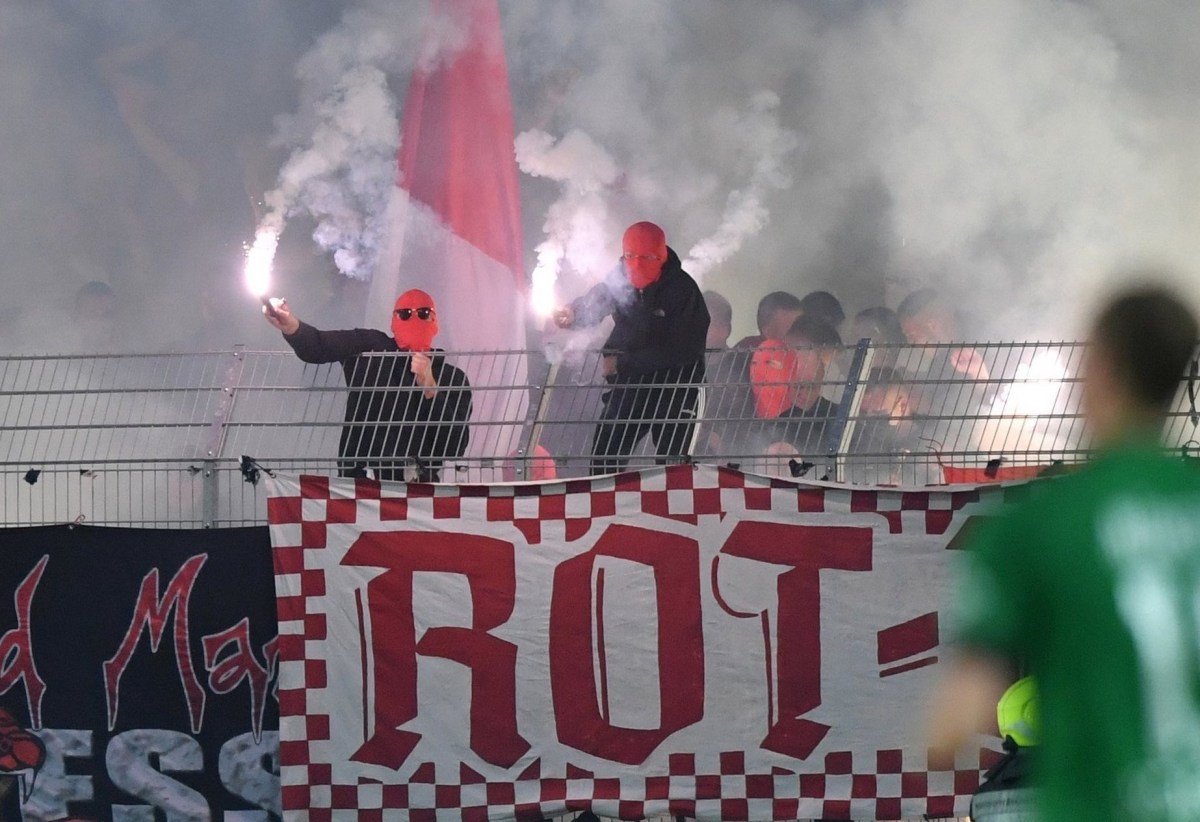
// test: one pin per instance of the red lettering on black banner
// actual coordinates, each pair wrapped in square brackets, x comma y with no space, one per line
[488,565]
[151,613]
[578,710]
[807,549]
[16,648]
[239,664]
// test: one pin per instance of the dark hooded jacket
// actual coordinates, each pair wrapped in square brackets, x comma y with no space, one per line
[387,414]
[659,331]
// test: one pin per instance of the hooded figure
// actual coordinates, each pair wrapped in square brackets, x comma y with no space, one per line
[655,354]
[407,409]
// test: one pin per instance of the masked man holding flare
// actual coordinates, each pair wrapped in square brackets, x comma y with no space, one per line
[655,353]
[407,408]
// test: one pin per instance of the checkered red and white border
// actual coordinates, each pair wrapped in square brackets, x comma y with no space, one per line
[888,786]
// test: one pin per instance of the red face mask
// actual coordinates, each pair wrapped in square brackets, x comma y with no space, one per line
[772,370]
[414,321]
[644,251]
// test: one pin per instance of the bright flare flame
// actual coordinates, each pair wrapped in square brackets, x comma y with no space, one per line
[258,261]
[1036,389]
[542,292]
[1027,414]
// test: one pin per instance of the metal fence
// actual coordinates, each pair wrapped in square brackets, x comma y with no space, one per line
[179,440]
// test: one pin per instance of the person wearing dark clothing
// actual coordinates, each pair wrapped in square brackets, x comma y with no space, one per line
[807,429]
[655,354]
[407,409]
[809,424]
[775,315]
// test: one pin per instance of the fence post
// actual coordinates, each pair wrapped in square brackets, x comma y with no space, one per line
[216,433]
[843,426]
[541,406]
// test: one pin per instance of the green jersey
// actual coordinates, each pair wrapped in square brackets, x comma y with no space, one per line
[1093,580]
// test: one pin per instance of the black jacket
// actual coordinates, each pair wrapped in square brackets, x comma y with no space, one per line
[658,331]
[808,429]
[396,422]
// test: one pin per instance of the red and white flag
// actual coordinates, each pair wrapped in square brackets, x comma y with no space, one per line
[455,214]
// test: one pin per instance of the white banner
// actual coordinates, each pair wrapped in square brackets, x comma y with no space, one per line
[686,640]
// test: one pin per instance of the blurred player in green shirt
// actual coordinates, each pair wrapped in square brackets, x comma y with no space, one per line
[1093,582]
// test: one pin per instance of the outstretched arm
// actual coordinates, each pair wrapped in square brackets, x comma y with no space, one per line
[317,346]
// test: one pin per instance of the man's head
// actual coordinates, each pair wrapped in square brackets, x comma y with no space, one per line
[1141,343]
[878,324]
[815,342]
[720,320]
[644,251]
[414,321]
[927,317]
[824,305]
[776,313]
[772,381]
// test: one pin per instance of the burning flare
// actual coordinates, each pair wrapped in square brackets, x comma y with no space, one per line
[543,280]
[258,262]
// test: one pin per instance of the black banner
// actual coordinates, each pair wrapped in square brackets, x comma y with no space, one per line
[137,675]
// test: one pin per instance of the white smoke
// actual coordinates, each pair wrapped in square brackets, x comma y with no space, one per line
[1018,169]
[578,231]
[1010,152]
[767,146]
[347,131]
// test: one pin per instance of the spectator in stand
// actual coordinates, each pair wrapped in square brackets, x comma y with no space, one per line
[824,306]
[952,381]
[927,318]
[878,324]
[886,448]
[881,326]
[776,313]
[656,358]
[407,408]
[809,422]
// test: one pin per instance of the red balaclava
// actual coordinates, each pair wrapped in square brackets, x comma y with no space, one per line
[644,250]
[414,334]
[772,369]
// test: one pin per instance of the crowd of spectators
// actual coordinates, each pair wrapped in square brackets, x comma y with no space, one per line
[782,402]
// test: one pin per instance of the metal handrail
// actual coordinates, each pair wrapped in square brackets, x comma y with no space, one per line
[158,438]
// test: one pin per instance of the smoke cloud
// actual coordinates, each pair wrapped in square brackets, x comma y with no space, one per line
[767,146]
[346,133]
[578,231]
[1012,153]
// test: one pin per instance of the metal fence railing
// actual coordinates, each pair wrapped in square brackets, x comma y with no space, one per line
[160,439]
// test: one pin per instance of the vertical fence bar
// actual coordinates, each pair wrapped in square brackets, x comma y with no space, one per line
[843,424]
[542,391]
[216,434]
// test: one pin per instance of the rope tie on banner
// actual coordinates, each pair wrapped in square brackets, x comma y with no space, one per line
[251,468]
